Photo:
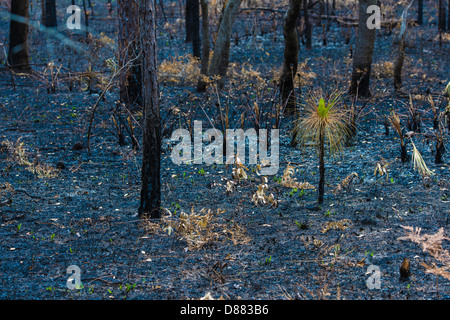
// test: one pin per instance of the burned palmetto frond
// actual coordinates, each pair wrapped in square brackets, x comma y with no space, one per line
[418,162]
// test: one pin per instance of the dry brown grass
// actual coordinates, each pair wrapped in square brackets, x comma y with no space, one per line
[198,229]
[333,225]
[18,154]
[432,244]
[288,181]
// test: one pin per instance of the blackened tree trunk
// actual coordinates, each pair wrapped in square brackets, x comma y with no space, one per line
[189,19]
[221,56]
[49,13]
[18,56]
[128,45]
[290,63]
[398,66]
[150,205]
[442,16]
[420,12]
[362,58]
[196,43]
[205,47]
[308,25]
[448,16]
[321,165]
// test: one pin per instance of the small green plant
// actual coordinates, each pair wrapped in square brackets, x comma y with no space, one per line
[129,287]
[19,226]
[369,253]
[267,261]
[328,213]
[52,237]
[293,190]
[201,172]
[301,225]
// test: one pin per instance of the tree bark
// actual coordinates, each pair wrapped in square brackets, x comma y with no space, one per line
[448,16]
[420,12]
[308,25]
[128,46]
[442,16]
[362,58]
[188,17]
[321,165]
[18,55]
[221,56]
[201,86]
[49,13]
[398,66]
[291,48]
[150,204]
[196,43]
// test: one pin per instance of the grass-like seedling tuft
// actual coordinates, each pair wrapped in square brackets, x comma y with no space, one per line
[324,124]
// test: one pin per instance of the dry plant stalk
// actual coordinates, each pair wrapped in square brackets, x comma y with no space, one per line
[345,183]
[288,181]
[381,169]
[419,163]
[239,170]
[432,244]
[260,195]
[394,119]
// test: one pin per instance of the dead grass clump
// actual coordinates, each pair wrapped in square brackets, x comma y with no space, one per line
[198,229]
[432,244]
[383,70]
[260,196]
[287,180]
[333,225]
[346,183]
[304,77]
[180,70]
[17,153]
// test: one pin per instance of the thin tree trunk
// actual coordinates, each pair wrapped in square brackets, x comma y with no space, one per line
[448,16]
[189,21]
[18,55]
[205,48]
[321,165]
[362,58]
[196,43]
[128,38]
[150,204]
[420,12]
[291,48]
[401,50]
[308,25]
[442,16]
[49,13]
[399,65]
[86,18]
[221,57]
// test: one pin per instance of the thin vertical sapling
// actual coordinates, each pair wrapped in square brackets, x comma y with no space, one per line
[323,124]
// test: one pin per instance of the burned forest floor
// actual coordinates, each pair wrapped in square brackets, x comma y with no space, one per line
[68,200]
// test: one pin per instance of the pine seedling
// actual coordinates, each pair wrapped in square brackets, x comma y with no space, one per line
[323,124]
